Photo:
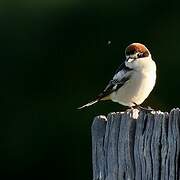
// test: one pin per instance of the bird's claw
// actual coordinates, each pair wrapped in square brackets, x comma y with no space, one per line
[142,108]
[145,109]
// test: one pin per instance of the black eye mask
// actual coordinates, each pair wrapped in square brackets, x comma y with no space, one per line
[142,55]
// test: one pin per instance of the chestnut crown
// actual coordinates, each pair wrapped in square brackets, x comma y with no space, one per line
[137,50]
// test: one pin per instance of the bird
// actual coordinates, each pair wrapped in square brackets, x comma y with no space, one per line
[133,80]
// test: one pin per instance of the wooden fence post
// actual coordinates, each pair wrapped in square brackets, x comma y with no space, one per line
[135,145]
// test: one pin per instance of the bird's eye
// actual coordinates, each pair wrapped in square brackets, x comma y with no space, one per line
[139,55]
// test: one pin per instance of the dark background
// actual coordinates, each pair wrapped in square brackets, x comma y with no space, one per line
[54,57]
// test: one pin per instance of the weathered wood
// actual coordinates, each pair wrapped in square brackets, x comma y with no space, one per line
[136,146]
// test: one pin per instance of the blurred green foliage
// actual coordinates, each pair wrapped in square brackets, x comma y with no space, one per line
[54,57]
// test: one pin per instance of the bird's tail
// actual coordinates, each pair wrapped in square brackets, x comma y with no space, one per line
[89,104]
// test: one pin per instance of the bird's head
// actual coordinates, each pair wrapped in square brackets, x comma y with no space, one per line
[135,53]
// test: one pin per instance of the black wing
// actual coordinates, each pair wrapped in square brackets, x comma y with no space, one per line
[121,76]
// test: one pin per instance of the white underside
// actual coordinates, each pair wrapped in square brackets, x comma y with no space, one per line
[138,87]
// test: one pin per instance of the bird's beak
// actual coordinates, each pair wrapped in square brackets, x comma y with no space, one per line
[129,59]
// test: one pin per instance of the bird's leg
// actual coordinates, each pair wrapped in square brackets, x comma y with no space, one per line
[142,108]
[131,108]
[135,106]
[146,109]
[150,108]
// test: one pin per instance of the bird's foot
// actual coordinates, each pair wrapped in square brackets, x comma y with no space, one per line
[142,108]
[146,109]
[130,109]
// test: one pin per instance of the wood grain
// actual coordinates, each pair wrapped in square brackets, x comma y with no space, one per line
[131,146]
